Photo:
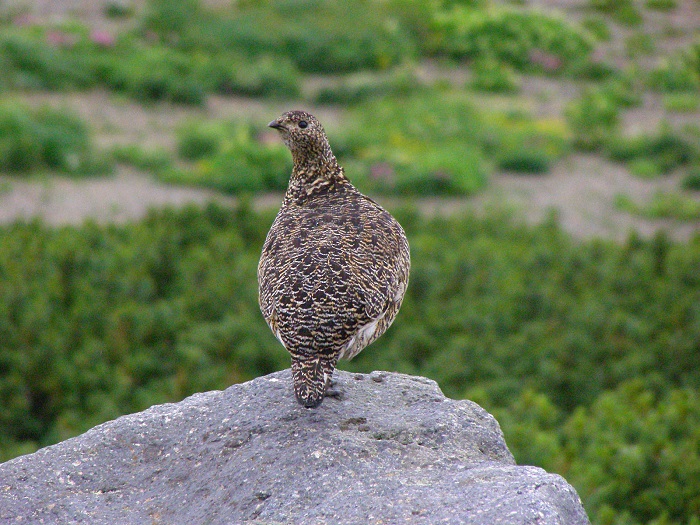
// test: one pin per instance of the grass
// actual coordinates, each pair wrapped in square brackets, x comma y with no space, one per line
[649,155]
[526,40]
[681,102]
[691,181]
[46,139]
[227,156]
[153,160]
[662,205]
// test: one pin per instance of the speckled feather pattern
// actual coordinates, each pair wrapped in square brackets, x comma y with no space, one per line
[334,266]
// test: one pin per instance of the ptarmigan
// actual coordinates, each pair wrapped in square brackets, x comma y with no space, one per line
[334,266]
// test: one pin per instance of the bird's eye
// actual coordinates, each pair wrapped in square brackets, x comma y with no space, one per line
[303,124]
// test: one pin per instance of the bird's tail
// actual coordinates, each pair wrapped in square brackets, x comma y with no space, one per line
[311,375]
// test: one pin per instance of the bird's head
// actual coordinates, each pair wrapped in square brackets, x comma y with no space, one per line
[302,133]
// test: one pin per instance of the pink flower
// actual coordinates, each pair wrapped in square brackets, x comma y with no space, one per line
[61,39]
[382,171]
[102,38]
[547,61]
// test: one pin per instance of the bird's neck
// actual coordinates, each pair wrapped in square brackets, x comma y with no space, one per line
[314,173]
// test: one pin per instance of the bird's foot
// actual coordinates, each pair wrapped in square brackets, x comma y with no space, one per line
[332,389]
[335,392]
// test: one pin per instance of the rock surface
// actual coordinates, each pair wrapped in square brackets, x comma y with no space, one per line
[391,450]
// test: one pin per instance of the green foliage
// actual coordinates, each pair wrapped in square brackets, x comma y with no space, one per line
[662,205]
[652,154]
[359,87]
[691,56]
[526,40]
[681,102]
[661,5]
[525,145]
[264,76]
[155,73]
[639,44]
[586,352]
[118,9]
[153,160]
[624,90]
[229,157]
[674,75]
[488,74]
[415,145]
[425,144]
[46,139]
[598,27]
[593,119]
[96,322]
[329,36]
[692,179]
[72,57]
[28,61]
[623,11]
[636,451]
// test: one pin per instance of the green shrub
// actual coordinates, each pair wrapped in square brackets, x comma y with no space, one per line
[524,145]
[227,156]
[692,179]
[155,73]
[526,40]
[118,9]
[625,90]
[637,451]
[645,168]
[691,56]
[623,11]
[674,75]
[598,27]
[639,44]
[662,205]
[97,322]
[525,161]
[488,74]
[681,102]
[329,36]
[359,87]
[265,76]
[418,144]
[27,61]
[585,351]
[46,139]
[153,160]
[171,21]
[439,143]
[593,119]
[655,154]
[661,5]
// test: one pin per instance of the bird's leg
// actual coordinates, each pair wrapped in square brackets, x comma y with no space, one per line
[331,384]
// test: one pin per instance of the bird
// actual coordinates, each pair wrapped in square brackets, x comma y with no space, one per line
[334,266]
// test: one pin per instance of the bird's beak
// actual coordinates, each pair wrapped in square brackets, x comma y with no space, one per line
[276,125]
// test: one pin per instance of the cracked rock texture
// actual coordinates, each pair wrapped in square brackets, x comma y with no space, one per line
[392,449]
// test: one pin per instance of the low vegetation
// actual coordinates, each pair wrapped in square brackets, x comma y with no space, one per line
[43,139]
[586,352]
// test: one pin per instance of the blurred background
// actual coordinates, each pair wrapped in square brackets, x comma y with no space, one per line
[543,157]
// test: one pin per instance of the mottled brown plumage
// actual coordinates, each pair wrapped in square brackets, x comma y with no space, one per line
[334,267]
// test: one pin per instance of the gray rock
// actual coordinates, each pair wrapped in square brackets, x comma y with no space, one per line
[395,451]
